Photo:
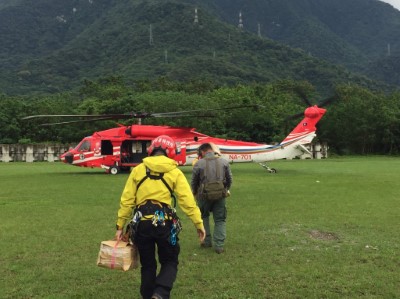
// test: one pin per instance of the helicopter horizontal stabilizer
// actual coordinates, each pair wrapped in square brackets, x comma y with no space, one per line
[304,149]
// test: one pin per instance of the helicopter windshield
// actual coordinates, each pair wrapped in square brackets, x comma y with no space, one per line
[84,146]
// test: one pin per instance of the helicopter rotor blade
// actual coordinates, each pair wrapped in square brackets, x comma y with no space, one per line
[322,103]
[74,121]
[294,116]
[327,101]
[84,116]
[140,115]
[193,112]
[303,96]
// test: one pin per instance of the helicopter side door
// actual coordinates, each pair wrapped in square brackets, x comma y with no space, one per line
[134,151]
[106,147]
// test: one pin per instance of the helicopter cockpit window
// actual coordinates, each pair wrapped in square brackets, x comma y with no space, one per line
[85,146]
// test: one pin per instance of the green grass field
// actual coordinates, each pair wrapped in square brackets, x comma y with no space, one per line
[316,229]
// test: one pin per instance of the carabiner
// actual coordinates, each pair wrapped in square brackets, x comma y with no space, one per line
[155,219]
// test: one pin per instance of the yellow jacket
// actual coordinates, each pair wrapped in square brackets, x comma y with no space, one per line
[156,190]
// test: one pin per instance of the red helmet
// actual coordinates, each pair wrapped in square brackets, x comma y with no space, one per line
[164,143]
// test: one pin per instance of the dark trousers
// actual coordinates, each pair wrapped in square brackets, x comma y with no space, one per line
[147,238]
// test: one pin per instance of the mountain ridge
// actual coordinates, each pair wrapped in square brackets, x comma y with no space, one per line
[102,38]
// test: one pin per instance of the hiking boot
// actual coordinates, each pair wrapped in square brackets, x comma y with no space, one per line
[219,250]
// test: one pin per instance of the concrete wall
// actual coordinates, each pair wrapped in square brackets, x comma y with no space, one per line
[52,152]
[31,152]
[320,150]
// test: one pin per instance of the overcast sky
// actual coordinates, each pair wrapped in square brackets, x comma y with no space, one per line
[395,3]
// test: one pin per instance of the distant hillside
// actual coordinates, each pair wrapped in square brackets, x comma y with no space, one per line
[367,26]
[51,46]
[353,33]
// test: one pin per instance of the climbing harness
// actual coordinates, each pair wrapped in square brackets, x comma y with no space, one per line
[132,226]
[176,227]
[158,218]
[164,213]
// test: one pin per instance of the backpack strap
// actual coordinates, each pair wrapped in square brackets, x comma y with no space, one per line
[157,177]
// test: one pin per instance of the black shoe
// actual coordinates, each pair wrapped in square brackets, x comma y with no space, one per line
[156,296]
[205,245]
[219,250]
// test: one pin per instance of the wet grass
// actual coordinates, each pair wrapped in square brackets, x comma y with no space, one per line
[316,229]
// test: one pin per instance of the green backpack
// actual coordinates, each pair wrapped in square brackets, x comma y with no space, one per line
[213,190]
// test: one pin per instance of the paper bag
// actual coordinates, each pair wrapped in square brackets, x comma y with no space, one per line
[118,255]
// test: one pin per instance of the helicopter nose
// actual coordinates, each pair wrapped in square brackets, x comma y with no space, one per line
[69,158]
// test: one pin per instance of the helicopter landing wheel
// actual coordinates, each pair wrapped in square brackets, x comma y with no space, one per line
[114,170]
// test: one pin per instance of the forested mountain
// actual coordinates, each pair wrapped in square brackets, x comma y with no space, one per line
[349,32]
[52,45]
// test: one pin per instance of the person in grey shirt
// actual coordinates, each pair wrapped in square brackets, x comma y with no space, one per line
[211,167]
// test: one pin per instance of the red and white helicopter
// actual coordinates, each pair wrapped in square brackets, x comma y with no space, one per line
[123,147]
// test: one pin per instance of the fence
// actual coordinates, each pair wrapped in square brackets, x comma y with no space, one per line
[320,150]
[52,152]
[31,152]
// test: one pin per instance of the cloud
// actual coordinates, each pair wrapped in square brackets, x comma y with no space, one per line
[394,3]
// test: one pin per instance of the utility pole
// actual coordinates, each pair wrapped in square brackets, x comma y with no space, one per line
[196,17]
[240,21]
[166,56]
[151,36]
[259,30]
[388,49]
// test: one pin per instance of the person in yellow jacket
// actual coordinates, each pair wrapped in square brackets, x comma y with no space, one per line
[149,190]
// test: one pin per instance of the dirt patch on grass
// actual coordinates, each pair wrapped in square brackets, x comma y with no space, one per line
[320,235]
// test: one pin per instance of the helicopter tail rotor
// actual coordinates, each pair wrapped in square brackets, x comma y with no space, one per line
[318,106]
